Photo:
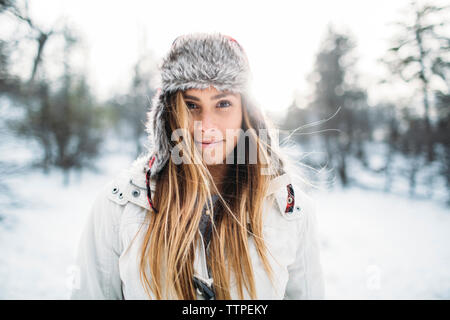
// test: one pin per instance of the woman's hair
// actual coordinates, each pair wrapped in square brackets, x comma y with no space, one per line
[168,250]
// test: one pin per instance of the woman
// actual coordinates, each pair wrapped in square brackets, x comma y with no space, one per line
[210,212]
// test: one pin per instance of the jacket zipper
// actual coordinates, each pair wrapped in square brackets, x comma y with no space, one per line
[205,272]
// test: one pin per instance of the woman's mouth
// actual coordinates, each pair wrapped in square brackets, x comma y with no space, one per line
[206,144]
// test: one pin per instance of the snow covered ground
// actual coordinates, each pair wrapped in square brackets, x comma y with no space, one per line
[38,242]
[383,246]
[374,245]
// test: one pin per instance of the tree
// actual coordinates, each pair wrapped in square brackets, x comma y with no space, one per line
[412,143]
[7,83]
[296,118]
[443,135]
[130,108]
[64,120]
[336,89]
[419,54]
[38,34]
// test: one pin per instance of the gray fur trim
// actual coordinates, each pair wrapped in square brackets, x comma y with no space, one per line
[198,60]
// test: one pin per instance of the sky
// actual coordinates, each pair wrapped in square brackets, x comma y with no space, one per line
[281,38]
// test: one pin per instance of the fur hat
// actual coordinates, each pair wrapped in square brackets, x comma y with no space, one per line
[196,61]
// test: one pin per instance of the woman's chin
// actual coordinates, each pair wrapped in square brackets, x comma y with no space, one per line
[212,157]
[213,160]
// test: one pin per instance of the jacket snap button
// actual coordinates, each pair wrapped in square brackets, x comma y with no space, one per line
[136,193]
[115,190]
[290,200]
[120,195]
[297,208]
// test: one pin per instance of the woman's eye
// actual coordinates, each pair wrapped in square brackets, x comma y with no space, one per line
[191,105]
[224,104]
[221,105]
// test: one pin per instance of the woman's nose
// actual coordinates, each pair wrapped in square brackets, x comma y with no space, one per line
[208,122]
[205,127]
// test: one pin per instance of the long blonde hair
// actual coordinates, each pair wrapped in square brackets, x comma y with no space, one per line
[167,254]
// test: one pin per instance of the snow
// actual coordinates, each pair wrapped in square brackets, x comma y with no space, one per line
[377,245]
[38,242]
[374,245]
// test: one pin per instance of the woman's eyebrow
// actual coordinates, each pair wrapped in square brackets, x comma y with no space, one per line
[221,95]
[217,96]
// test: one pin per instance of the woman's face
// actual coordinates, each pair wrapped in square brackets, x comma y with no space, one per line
[217,120]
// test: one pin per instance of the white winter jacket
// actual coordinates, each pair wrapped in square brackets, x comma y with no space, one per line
[107,260]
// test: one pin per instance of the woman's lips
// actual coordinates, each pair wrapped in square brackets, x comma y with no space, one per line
[206,144]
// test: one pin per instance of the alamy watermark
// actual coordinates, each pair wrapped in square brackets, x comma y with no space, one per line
[215,148]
